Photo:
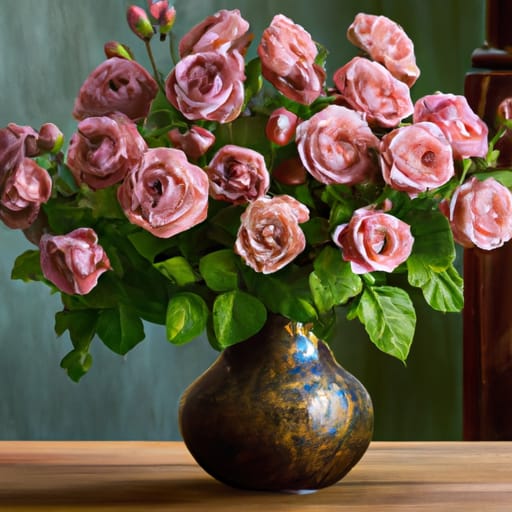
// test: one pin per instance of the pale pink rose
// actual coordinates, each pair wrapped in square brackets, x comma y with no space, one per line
[269,236]
[386,42]
[195,142]
[466,132]
[416,158]
[104,149]
[223,31]
[370,88]
[281,125]
[22,192]
[166,194]
[374,241]
[73,262]
[334,146]
[116,85]
[480,214]
[287,54]
[208,85]
[16,142]
[237,175]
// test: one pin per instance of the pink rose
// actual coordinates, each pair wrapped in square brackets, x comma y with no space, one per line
[374,241]
[334,146]
[480,214]
[116,85]
[370,88]
[16,142]
[22,192]
[166,194]
[416,158]
[466,132]
[208,85]
[50,138]
[281,125]
[195,142]
[386,42]
[269,236]
[287,55]
[223,31]
[104,150]
[237,175]
[73,262]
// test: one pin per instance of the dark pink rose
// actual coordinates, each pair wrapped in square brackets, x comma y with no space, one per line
[480,214]
[287,55]
[166,194]
[16,142]
[50,138]
[22,192]
[334,146]
[374,241]
[195,142]
[208,85]
[116,85]
[466,132]
[223,31]
[386,42]
[104,149]
[281,125]
[269,236]
[73,262]
[416,158]
[370,88]
[237,175]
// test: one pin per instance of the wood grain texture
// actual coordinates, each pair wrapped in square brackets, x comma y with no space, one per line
[152,476]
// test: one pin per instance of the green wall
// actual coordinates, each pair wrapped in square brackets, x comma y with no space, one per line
[47,48]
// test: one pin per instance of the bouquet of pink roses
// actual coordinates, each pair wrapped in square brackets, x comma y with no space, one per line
[207,196]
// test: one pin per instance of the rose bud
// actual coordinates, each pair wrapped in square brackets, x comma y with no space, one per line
[115,49]
[16,142]
[281,125]
[164,14]
[195,142]
[50,138]
[139,22]
[290,172]
[480,214]
[374,241]
[73,262]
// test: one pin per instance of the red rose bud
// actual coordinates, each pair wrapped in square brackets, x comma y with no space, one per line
[115,49]
[50,138]
[280,128]
[139,22]
[290,172]
[164,14]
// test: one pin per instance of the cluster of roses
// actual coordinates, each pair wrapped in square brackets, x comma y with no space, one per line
[165,191]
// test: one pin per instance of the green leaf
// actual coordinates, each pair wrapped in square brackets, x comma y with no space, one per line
[76,363]
[254,80]
[220,270]
[389,318]
[81,325]
[27,267]
[187,314]
[503,176]
[178,270]
[120,329]
[316,230]
[150,246]
[236,317]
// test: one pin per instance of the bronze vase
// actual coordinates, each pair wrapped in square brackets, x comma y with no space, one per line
[277,412]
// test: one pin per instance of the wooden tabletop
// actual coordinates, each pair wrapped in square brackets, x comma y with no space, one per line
[152,476]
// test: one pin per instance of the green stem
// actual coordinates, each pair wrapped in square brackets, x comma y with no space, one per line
[156,74]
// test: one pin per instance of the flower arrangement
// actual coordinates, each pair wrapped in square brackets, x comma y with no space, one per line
[226,189]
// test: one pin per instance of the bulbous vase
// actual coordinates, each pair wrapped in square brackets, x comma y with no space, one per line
[277,412]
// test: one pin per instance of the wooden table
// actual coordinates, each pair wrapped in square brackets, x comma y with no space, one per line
[152,476]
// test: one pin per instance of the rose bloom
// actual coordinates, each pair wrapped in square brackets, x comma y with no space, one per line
[416,158]
[237,175]
[104,149]
[466,132]
[480,214]
[116,85]
[269,236]
[287,55]
[334,146]
[208,86]
[22,192]
[370,88]
[16,142]
[166,194]
[195,142]
[374,241]
[73,262]
[223,31]
[281,125]
[386,42]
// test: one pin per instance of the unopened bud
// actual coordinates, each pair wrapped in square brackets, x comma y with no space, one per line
[139,22]
[164,14]
[50,138]
[281,125]
[115,49]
